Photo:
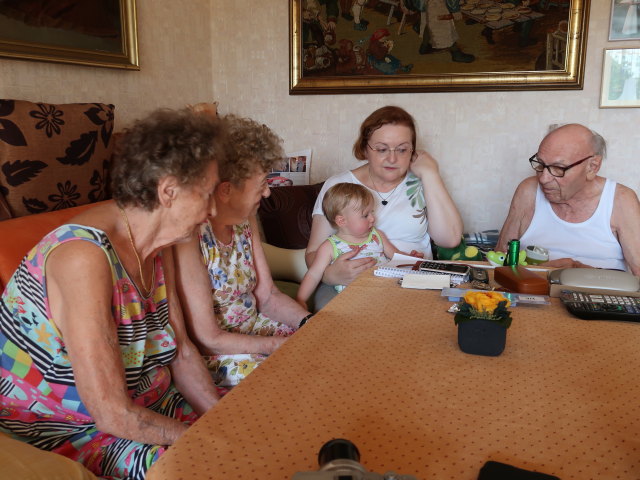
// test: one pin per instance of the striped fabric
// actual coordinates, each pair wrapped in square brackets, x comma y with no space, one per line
[38,394]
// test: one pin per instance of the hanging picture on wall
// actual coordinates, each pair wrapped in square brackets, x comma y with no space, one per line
[373,46]
[621,78]
[625,20]
[99,33]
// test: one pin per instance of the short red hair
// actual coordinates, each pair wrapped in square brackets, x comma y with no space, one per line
[389,115]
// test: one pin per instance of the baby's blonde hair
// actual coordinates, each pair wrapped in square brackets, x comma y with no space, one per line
[342,195]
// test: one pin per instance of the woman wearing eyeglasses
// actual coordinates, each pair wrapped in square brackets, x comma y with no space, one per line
[413,205]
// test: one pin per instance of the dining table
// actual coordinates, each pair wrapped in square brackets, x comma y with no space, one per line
[380,366]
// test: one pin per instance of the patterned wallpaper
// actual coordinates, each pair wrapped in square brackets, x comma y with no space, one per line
[482,140]
[175,67]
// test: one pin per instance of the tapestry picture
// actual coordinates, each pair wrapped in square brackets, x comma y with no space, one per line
[96,32]
[395,37]
[437,43]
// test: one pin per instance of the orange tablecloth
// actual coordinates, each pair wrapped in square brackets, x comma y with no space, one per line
[380,366]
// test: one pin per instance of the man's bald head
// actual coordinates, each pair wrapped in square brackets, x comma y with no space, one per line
[577,133]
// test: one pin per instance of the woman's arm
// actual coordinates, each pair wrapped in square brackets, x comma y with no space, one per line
[445,222]
[190,375]
[313,277]
[79,286]
[271,301]
[344,270]
[194,290]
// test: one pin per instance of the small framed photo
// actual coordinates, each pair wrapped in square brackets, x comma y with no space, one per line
[620,78]
[625,20]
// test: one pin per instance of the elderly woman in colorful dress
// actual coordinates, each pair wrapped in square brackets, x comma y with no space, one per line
[223,277]
[95,363]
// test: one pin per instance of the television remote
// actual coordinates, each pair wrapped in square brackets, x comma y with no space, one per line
[598,306]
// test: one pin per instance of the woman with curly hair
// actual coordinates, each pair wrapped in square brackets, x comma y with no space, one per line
[223,277]
[95,362]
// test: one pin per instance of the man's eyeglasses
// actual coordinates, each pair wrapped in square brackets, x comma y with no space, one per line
[384,151]
[555,170]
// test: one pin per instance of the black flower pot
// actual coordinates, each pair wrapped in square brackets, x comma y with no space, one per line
[482,337]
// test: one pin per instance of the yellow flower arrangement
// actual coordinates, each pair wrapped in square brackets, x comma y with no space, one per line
[486,305]
[485,301]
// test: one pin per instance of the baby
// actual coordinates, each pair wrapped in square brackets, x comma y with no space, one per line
[349,209]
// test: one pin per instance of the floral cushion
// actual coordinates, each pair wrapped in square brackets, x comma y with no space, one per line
[53,156]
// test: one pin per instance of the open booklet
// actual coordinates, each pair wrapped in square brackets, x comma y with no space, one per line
[400,266]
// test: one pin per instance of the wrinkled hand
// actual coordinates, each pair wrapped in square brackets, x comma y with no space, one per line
[415,253]
[344,270]
[423,163]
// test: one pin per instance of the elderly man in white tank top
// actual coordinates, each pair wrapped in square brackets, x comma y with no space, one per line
[584,220]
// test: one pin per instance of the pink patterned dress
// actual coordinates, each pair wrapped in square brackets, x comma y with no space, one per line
[233,280]
[38,394]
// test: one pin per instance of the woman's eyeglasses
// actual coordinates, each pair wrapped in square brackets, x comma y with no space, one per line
[555,170]
[383,151]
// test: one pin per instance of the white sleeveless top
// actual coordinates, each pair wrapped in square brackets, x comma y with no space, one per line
[591,242]
[372,247]
[403,219]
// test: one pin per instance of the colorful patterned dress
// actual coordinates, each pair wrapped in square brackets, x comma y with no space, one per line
[233,279]
[38,393]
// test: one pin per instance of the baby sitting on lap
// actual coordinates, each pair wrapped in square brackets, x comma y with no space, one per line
[349,209]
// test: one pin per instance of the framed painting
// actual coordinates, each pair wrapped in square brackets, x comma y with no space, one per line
[625,20]
[620,78]
[376,46]
[99,33]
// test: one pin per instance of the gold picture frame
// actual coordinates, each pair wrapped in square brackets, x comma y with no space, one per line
[620,78]
[561,52]
[100,33]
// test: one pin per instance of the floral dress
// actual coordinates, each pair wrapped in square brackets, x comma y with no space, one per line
[40,401]
[233,280]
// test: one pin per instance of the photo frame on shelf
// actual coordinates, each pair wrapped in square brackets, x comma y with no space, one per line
[620,78]
[378,46]
[625,20]
[100,33]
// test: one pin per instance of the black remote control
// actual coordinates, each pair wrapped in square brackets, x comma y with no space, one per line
[598,306]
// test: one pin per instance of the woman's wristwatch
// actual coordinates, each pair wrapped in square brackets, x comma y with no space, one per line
[304,320]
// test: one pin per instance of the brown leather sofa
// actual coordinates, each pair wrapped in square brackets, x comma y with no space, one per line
[286,215]
[19,235]
[285,218]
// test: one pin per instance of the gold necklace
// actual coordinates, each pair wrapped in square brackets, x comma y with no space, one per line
[144,287]
[384,201]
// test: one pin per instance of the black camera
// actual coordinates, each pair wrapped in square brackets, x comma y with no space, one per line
[339,459]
